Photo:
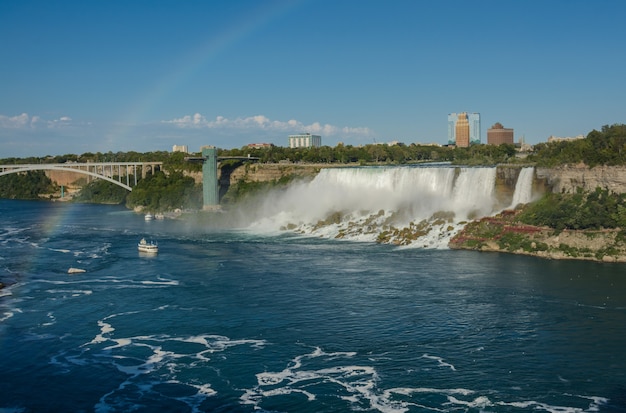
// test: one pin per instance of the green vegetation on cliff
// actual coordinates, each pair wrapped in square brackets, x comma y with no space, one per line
[584,225]
[158,192]
[26,185]
[165,192]
[582,210]
[604,147]
[101,191]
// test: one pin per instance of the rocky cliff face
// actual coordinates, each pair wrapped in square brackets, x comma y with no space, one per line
[565,179]
[255,172]
[66,178]
[259,172]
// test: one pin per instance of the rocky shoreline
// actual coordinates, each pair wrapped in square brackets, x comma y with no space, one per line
[502,233]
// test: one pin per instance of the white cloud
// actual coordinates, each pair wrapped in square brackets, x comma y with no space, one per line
[198,121]
[15,122]
[24,121]
[32,135]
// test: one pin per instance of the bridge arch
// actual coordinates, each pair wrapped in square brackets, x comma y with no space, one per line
[41,167]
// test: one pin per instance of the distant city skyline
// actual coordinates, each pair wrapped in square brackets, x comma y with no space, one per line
[474,128]
[135,76]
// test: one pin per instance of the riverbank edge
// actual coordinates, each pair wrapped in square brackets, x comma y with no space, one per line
[503,234]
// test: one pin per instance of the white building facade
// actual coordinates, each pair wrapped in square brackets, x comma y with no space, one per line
[305,140]
[180,148]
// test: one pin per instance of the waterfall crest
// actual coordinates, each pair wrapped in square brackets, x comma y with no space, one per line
[418,206]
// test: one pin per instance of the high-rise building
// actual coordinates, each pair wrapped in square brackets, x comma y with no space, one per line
[462,131]
[451,128]
[473,120]
[498,135]
[305,140]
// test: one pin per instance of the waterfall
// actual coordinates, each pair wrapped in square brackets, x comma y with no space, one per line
[473,192]
[418,206]
[523,187]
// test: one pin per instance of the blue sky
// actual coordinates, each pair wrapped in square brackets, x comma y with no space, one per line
[89,76]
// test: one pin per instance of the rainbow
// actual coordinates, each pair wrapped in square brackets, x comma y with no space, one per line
[195,60]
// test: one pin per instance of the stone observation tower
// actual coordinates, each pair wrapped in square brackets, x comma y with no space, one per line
[210,182]
[210,187]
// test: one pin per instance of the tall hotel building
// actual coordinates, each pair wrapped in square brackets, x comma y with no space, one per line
[498,135]
[463,129]
[305,140]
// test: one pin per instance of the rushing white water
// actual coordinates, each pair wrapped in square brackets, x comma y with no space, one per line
[524,187]
[417,206]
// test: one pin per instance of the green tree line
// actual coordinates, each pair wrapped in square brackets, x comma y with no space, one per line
[397,154]
[26,185]
[604,147]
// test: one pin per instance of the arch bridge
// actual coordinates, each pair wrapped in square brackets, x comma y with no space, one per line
[102,170]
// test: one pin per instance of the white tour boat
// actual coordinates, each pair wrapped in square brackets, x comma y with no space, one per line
[145,246]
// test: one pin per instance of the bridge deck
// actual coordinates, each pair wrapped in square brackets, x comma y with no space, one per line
[102,170]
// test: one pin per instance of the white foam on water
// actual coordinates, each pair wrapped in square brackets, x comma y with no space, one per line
[69,293]
[160,283]
[355,384]
[360,387]
[421,207]
[440,361]
[407,391]
[6,315]
[52,319]
[152,361]
[594,406]
[160,363]
[64,251]
[479,402]
[105,328]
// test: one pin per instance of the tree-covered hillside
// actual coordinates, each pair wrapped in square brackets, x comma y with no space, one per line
[161,192]
[26,185]
[604,147]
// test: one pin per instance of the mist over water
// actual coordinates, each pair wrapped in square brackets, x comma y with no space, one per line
[361,203]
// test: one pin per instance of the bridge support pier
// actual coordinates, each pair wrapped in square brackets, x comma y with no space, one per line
[210,183]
